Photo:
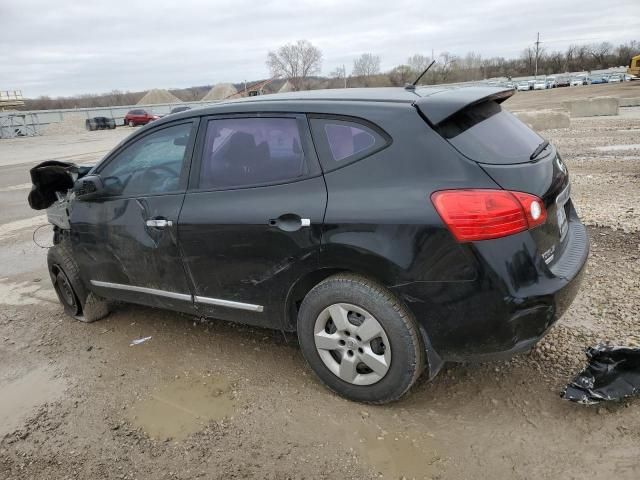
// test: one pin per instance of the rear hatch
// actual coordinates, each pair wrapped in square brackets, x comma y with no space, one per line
[503,146]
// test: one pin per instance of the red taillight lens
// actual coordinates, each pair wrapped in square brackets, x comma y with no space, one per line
[484,214]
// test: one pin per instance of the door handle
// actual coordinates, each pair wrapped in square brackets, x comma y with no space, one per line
[290,222]
[159,223]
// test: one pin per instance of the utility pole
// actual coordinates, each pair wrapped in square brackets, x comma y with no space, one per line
[537,53]
[344,74]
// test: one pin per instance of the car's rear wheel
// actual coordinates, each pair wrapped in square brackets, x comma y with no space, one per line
[360,340]
[65,274]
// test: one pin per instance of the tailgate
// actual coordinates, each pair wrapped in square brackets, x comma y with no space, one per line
[549,180]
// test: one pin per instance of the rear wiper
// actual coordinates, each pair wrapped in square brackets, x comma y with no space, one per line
[539,149]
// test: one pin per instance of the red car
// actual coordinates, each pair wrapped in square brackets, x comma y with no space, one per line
[139,117]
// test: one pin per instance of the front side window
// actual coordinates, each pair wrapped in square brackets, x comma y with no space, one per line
[151,165]
[251,151]
[341,141]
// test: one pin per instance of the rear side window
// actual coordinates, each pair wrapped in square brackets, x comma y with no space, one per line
[242,152]
[341,141]
[488,134]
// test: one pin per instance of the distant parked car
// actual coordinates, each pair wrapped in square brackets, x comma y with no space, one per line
[523,86]
[551,82]
[183,108]
[139,116]
[597,79]
[562,81]
[616,78]
[580,80]
[540,85]
[100,123]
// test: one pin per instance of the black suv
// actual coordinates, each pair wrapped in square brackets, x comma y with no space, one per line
[393,229]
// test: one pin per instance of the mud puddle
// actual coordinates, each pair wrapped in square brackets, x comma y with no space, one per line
[392,453]
[18,398]
[398,454]
[184,406]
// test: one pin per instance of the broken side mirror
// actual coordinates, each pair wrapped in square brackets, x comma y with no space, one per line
[88,187]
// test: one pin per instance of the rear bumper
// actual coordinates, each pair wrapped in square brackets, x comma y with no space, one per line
[511,304]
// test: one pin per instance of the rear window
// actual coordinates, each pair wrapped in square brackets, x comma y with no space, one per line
[489,134]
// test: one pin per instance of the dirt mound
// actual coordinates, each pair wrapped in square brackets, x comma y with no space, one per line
[220,92]
[158,95]
[71,123]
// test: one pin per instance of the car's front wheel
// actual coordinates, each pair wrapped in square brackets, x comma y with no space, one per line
[131,123]
[65,274]
[360,340]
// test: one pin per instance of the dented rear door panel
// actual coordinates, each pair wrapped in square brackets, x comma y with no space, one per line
[234,253]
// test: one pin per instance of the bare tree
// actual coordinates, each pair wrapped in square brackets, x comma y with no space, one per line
[366,65]
[554,63]
[340,75]
[401,75]
[418,63]
[446,64]
[600,52]
[528,56]
[296,62]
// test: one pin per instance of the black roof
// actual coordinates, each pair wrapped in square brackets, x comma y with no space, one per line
[436,103]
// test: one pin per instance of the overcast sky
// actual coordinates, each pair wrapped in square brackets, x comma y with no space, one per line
[66,47]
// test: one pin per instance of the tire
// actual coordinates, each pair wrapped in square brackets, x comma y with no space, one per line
[397,353]
[65,276]
[131,123]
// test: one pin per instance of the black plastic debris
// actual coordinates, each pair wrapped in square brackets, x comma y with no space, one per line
[613,373]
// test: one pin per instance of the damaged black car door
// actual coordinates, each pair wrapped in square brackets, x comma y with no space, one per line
[252,217]
[125,233]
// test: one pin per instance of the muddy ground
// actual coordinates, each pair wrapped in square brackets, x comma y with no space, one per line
[208,399]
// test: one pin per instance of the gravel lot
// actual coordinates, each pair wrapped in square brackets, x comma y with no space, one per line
[208,399]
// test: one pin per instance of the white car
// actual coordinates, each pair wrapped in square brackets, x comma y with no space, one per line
[616,78]
[540,85]
[523,86]
[578,81]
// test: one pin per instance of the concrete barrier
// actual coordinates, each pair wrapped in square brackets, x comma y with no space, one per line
[544,119]
[629,102]
[592,107]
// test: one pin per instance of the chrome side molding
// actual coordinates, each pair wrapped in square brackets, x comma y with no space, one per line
[180,296]
[228,303]
[150,291]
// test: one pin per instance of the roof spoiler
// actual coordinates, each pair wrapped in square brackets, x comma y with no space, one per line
[439,106]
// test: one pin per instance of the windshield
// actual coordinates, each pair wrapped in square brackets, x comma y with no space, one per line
[489,134]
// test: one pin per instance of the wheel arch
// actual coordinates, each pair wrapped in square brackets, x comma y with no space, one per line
[299,290]
[307,282]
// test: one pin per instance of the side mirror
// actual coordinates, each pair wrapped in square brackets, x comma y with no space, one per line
[88,187]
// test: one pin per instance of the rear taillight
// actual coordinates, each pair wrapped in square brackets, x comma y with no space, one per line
[473,215]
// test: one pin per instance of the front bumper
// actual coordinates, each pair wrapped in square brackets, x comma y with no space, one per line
[508,307]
